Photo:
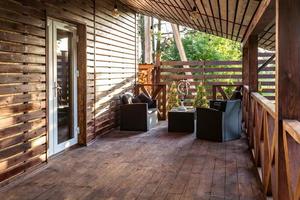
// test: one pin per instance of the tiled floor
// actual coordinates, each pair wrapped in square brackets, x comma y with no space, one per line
[153,165]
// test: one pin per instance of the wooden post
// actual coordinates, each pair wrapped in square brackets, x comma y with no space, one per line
[250,75]
[148,38]
[253,63]
[287,82]
[245,68]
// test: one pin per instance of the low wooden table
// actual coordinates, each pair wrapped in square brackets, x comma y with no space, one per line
[181,121]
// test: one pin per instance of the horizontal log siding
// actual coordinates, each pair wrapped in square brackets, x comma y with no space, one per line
[111,60]
[115,62]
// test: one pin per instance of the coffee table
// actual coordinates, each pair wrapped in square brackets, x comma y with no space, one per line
[181,121]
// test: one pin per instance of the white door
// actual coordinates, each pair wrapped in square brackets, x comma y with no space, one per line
[62,83]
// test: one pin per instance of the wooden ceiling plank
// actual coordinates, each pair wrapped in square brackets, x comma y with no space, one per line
[244,14]
[214,20]
[267,31]
[164,8]
[208,21]
[230,18]
[191,8]
[227,14]
[234,20]
[220,16]
[263,16]
[162,16]
[187,15]
[171,10]
[201,16]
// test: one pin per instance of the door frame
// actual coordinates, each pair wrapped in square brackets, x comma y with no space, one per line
[53,146]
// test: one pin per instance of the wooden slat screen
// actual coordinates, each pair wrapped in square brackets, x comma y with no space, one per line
[110,70]
[214,73]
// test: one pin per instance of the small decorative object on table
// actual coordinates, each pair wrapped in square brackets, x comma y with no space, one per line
[183,90]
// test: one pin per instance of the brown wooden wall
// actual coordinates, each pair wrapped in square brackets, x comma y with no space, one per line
[115,62]
[110,68]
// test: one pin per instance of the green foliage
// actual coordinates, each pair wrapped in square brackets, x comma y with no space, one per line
[173,100]
[200,99]
[202,46]
[260,89]
[229,89]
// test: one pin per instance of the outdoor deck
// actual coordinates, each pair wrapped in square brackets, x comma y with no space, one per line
[152,165]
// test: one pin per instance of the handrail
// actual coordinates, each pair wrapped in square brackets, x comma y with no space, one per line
[200,63]
[218,87]
[265,103]
[157,92]
[264,141]
[292,127]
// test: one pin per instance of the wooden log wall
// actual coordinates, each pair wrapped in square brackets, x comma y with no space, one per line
[110,54]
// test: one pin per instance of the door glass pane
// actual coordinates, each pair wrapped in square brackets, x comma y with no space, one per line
[64,85]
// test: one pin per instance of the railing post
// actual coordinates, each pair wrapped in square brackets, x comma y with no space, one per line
[287,84]
[157,66]
[214,91]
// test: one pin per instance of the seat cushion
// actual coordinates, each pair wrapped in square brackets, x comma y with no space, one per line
[127,98]
[146,99]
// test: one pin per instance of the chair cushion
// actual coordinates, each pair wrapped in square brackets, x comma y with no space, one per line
[136,100]
[127,98]
[146,99]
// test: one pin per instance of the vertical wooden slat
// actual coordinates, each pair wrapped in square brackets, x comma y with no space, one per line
[82,83]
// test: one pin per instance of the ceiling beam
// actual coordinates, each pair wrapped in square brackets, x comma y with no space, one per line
[264,15]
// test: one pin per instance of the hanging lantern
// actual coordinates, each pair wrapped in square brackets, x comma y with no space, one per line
[151,30]
[194,14]
[115,12]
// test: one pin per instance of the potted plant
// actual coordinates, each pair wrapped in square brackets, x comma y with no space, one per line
[200,99]
[173,96]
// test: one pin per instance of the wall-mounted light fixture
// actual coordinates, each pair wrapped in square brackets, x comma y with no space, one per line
[115,12]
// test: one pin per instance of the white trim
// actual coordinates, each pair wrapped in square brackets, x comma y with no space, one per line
[53,146]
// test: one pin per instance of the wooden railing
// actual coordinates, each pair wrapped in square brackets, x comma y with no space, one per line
[209,73]
[157,92]
[219,88]
[259,117]
[291,148]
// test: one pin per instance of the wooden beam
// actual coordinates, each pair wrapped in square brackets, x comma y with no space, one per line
[264,16]
[82,84]
[287,83]
[180,46]
[148,43]
[266,63]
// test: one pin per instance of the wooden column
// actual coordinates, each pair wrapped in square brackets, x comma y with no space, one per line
[253,63]
[287,81]
[245,66]
[250,75]
[250,63]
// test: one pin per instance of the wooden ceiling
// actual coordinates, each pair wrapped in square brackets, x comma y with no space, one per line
[224,18]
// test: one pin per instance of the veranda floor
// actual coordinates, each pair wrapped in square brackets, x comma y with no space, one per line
[153,165]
